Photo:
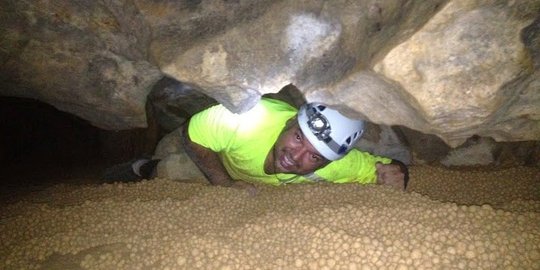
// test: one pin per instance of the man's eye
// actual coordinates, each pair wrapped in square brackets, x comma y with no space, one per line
[315,158]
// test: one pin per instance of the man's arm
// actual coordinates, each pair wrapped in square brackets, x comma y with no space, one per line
[206,160]
[210,164]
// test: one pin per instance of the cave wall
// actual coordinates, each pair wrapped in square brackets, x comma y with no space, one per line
[454,69]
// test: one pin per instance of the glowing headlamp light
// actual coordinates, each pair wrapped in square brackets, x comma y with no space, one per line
[318,124]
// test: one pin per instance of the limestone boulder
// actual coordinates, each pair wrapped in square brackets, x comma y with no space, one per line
[84,57]
[311,44]
[443,68]
[469,71]
[450,68]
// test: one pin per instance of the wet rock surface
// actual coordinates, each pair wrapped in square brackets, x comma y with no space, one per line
[459,219]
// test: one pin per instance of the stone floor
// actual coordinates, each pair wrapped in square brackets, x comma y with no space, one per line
[481,218]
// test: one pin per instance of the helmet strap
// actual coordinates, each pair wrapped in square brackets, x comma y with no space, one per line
[286,180]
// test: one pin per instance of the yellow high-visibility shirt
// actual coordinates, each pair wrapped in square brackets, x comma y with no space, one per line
[244,140]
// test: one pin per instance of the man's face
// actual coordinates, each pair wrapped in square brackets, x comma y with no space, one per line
[293,153]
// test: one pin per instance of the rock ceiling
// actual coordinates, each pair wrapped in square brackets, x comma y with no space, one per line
[452,68]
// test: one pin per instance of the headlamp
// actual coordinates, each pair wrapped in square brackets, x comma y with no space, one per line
[331,133]
[318,124]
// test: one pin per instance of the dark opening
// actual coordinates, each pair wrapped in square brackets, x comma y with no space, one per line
[40,145]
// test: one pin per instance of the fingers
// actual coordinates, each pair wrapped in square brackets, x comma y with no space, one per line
[390,175]
[252,191]
[248,187]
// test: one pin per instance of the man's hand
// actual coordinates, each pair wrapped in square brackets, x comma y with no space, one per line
[248,187]
[391,175]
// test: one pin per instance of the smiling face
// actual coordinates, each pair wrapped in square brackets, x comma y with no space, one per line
[293,153]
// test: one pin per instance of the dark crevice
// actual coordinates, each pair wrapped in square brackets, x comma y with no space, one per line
[41,146]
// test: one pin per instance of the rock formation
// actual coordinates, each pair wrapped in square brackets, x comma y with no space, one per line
[454,68]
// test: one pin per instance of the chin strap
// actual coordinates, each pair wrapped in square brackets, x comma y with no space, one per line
[287,180]
[313,177]
[310,176]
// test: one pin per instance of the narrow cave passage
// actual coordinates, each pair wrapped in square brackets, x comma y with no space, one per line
[477,218]
[42,146]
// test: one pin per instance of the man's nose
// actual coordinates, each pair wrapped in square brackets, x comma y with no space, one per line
[297,154]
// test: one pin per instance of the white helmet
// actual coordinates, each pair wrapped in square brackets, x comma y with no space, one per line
[330,132]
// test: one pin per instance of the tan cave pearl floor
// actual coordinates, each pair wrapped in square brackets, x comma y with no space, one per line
[450,219]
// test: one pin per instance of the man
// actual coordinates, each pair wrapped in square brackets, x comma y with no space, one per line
[275,144]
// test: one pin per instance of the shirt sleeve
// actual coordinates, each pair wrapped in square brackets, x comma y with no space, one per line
[356,166]
[214,128]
